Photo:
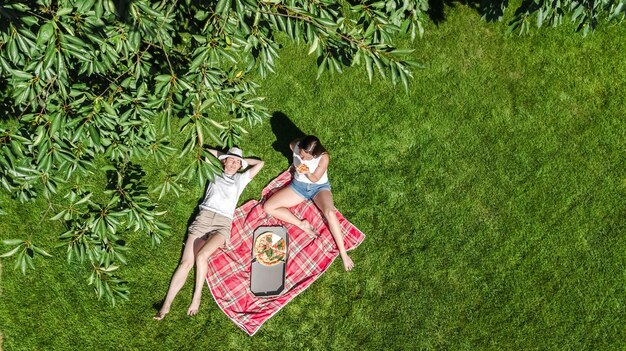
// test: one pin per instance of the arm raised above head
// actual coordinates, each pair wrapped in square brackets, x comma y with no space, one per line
[255,166]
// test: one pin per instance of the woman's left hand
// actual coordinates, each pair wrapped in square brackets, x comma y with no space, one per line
[302,169]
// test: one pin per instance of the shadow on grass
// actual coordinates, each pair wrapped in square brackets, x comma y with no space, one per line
[285,131]
[490,10]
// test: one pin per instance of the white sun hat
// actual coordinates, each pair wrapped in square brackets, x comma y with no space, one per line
[235,152]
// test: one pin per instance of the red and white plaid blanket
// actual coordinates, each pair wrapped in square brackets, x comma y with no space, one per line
[228,276]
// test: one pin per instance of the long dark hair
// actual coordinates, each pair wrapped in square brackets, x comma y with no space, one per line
[312,145]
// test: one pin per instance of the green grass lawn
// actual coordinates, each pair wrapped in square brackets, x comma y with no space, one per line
[492,197]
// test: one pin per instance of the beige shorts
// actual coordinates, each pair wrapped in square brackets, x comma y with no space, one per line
[208,223]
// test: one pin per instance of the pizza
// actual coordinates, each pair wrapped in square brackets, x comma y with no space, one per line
[269,249]
[302,168]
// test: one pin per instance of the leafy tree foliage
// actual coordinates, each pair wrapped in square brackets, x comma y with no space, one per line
[86,83]
[585,14]
[93,82]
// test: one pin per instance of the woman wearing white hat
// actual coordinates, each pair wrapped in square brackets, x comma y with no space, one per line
[211,228]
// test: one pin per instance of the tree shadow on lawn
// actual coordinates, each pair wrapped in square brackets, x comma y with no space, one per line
[285,131]
[490,10]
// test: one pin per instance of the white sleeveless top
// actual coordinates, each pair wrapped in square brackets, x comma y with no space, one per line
[312,164]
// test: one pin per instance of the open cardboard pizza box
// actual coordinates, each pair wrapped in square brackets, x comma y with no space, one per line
[267,275]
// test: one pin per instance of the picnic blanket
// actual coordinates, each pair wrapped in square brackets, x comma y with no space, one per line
[228,275]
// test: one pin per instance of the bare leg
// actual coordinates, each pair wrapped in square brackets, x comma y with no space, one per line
[192,245]
[324,200]
[278,206]
[202,260]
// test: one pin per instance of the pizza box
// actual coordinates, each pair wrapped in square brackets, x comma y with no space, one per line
[268,280]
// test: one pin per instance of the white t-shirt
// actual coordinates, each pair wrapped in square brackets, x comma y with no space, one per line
[223,193]
[312,164]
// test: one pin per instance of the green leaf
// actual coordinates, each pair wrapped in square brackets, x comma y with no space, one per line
[321,67]
[12,252]
[5,65]
[45,33]
[163,78]
[110,268]
[221,6]
[402,52]
[40,251]
[108,108]
[84,199]
[22,75]
[325,22]
[405,80]
[12,241]
[369,67]
[19,6]
[618,10]
[314,45]
[58,216]
[336,64]
[49,57]
[199,59]
[379,65]
[64,11]
[370,30]
[30,20]
[149,10]
[394,75]
[21,262]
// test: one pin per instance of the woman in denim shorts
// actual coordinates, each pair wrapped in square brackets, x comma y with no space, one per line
[310,182]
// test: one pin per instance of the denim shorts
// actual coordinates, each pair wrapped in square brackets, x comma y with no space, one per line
[308,190]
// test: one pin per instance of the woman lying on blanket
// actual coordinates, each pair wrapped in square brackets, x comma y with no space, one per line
[211,227]
[310,181]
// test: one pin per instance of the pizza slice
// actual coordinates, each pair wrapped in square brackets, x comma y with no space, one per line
[302,168]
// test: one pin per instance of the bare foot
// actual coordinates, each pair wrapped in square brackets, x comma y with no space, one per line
[193,308]
[161,314]
[347,263]
[307,227]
